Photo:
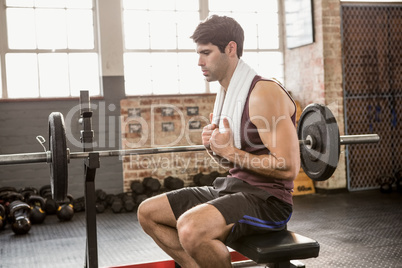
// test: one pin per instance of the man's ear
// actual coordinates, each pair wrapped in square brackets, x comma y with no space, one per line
[231,48]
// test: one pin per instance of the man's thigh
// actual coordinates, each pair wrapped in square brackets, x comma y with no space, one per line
[186,198]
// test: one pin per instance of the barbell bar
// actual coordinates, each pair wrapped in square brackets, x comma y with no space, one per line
[45,157]
[317,131]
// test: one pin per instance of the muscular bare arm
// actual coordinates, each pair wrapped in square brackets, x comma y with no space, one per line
[270,111]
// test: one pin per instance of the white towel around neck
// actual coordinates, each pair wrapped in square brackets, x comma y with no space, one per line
[230,103]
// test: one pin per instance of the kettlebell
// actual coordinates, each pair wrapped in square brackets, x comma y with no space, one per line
[38,213]
[2,217]
[65,211]
[19,217]
[385,182]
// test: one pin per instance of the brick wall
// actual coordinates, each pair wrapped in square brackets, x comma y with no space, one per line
[314,73]
[161,122]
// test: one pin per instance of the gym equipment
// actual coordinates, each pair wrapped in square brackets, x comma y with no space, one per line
[2,217]
[276,248]
[151,185]
[27,192]
[51,205]
[173,183]
[65,211]
[385,182]
[319,148]
[37,204]
[117,204]
[398,177]
[128,201]
[19,217]
[137,187]
[316,143]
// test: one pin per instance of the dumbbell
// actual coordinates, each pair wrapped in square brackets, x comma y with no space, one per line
[128,202]
[19,213]
[151,185]
[137,187]
[203,179]
[2,217]
[65,211]
[79,204]
[140,198]
[100,195]
[116,204]
[173,183]
[100,206]
[37,204]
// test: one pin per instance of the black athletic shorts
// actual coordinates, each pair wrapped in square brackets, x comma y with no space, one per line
[252,210]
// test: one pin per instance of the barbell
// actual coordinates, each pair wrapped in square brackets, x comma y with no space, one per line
[317,131]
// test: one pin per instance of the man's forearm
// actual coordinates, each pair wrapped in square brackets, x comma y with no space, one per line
[222,162]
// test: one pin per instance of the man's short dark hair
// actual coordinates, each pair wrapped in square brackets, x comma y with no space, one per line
[219,31]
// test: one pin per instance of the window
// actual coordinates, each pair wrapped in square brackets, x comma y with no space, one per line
[160,57]
[50,48]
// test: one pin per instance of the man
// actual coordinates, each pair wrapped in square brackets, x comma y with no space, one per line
[253,133]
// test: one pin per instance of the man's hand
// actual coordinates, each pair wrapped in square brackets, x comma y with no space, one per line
[222,139]
[207,133]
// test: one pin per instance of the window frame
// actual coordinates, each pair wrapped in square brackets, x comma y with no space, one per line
[204,12]
[4,49]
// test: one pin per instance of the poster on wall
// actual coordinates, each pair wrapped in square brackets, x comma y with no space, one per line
[299,23]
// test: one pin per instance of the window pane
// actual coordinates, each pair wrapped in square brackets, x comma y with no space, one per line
[79,4]
[53,75]
[135,4]
[162,4]
[266,64]
[191,79]
[244,6]
[22,79]
[80,29]
[186,24]
[136,29]
[50,3]
[162,30]
[84,73]
[21,28]
[268,31]
[51,28]
[137,73]
[19,3]
[188,5]
[165,73]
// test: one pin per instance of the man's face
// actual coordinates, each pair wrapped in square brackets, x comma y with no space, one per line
[213,63]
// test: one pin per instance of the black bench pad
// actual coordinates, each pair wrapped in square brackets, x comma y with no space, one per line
[276,247]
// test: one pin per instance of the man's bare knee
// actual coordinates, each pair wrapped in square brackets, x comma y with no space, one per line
[191,234]
[155,210]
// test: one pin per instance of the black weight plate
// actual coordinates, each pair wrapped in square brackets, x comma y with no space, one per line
[319,162]
[58,149]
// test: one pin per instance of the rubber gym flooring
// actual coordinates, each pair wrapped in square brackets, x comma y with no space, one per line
[355,229]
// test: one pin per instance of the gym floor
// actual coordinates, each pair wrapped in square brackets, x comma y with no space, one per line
[355,229]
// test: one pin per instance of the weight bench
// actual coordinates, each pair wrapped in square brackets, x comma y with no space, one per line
[277,249]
